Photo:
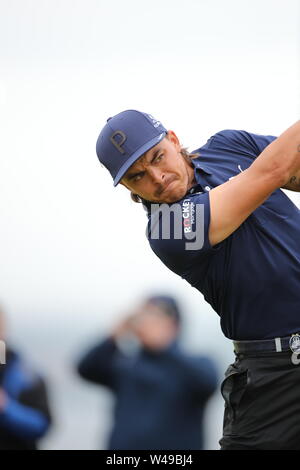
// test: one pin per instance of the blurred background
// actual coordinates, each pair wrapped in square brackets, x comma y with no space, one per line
[73,249]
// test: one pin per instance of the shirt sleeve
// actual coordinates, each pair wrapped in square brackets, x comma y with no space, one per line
[178,233]
[23,421]
[97,364]
[241,142]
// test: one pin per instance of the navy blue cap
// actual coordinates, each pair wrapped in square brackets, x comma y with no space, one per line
[125,138]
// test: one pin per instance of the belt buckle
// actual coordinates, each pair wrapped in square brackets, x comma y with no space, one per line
[294,343]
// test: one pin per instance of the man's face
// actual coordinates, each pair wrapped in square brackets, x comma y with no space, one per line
[154,327]
[162,174]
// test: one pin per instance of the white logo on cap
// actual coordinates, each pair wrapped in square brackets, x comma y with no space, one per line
[154,121]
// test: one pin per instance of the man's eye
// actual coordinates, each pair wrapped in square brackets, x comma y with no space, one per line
[159,157]
[137,178]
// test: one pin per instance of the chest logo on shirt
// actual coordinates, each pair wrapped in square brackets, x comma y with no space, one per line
[241,170]
[188,210]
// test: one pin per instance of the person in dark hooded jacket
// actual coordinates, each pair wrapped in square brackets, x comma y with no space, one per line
[160,390]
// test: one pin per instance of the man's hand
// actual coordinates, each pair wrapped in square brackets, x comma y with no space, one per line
[125,326]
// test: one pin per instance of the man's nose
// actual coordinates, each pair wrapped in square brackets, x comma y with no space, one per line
[156,175]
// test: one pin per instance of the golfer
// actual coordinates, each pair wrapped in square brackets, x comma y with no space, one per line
[239,245]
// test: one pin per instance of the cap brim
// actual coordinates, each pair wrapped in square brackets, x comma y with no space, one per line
[136,155]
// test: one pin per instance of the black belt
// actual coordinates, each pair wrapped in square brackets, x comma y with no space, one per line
[287,343]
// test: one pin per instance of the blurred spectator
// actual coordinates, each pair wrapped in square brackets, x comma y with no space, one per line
[160,391]
[24,410]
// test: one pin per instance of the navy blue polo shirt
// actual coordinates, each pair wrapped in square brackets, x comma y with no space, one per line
[252,278]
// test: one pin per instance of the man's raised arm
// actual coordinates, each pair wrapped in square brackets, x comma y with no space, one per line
[232,202]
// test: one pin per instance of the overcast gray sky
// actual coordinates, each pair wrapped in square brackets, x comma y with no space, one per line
[69,238]
[70,242]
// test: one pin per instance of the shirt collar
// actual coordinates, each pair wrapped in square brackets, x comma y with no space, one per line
[198,165]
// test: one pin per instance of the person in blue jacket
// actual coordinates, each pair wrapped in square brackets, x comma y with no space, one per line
[160,390]
[24,409]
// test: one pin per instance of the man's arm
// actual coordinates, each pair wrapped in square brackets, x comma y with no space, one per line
[97,365]
[232,202]
[23,421]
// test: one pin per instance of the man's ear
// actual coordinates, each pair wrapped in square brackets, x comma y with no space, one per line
[172,137]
